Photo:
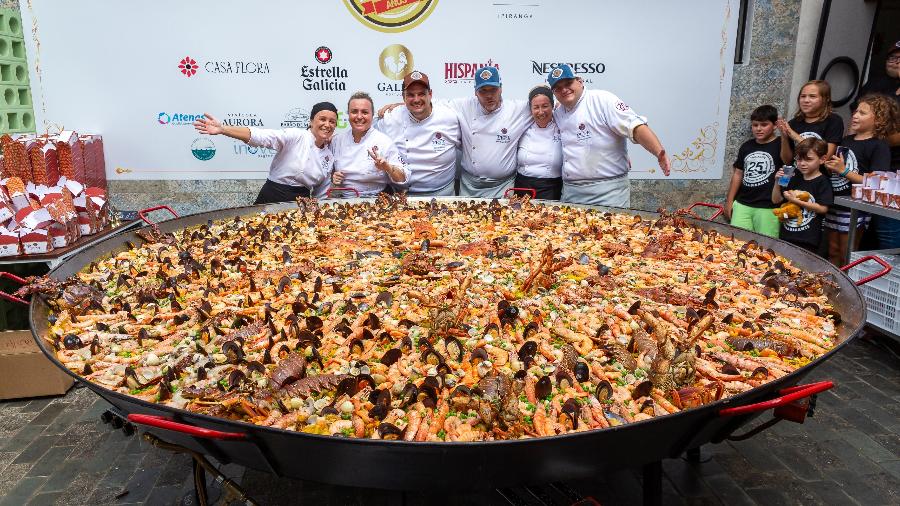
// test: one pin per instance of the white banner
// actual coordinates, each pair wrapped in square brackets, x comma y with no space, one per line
[139,72]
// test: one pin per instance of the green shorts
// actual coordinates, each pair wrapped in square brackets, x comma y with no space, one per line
[757,219]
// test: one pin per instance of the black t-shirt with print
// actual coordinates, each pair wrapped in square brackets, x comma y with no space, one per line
[830,130]
[759,162]
[888,86]
[807,229]
[864,156]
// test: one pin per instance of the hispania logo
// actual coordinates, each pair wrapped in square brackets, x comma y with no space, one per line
[456,72]
[189,67]
[391,16]
[203,149]
[395,62]
[177,119]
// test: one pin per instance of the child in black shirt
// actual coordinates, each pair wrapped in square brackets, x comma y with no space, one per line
[749,201]
[866,151]
[815,118]
[809,190]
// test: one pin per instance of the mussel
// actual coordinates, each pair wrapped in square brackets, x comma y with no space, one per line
[543,387]
[72,342]
[604,391]
[582,372]
[391,356]
[642,389]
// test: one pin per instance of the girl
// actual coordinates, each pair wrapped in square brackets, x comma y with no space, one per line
[814,118]
[809,190]
[867,151]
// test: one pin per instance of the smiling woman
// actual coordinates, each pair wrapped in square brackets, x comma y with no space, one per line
[304,160]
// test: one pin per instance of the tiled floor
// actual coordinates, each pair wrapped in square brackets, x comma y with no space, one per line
[56,451]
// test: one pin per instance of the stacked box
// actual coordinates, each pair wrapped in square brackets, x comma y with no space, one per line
[44,163]
[15,158]
[71,158]
[94,162]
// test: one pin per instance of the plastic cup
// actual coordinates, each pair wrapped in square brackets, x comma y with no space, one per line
[856,191]
[788,174]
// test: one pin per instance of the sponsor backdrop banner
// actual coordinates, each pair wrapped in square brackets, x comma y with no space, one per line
[139,73]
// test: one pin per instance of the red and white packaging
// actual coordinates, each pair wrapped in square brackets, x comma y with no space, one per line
[71,159]
[94,161]
[35,242]
[6,209]
[34,218]
[9,243]
[44,162]
[18,195]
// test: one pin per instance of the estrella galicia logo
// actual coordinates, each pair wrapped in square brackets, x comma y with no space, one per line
[203,149]
[323,54]
[177,118]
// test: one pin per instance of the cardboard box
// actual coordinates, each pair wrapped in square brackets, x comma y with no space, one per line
[26,371]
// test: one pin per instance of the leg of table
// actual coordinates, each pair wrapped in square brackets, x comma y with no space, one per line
[851,237]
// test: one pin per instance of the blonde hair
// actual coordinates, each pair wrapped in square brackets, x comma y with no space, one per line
[824,90]
[886,112]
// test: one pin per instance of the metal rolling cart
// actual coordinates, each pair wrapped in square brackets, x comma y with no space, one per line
[882,299]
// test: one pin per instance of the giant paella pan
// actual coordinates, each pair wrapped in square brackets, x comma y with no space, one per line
[443,343]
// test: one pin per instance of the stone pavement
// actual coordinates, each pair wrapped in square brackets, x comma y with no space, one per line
[57,451]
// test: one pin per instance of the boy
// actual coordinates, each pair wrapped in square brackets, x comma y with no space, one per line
[809,190]
[749,202]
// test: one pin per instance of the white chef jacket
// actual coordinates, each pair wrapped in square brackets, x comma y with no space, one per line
[428,147]
[540,151]
[299,162]
[352,158]
[489,140]
[593,136]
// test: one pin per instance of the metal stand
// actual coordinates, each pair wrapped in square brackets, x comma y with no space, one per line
[653,484]
[695,456]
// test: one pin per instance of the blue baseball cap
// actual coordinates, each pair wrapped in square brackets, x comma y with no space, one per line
[558,73]
[487,76]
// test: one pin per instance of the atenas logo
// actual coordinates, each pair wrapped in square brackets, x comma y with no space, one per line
[323,54]
[177,119]
[242,119]
[189,67]
[391,16]
[203,149]
[465,72]
[316,78]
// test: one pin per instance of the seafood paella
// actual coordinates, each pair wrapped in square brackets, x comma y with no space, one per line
[438,321]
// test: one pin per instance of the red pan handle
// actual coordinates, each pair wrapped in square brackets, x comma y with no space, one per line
[164,423]
[531,190]
[887,268]
[328,192]
[788,395]
[143,213]
[12,298]
[719,208]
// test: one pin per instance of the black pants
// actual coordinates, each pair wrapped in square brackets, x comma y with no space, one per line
[547,188]
[272,192]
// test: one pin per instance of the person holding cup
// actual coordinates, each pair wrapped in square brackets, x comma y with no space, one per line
[862,152]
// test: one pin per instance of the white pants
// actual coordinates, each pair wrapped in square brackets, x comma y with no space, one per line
[447,191]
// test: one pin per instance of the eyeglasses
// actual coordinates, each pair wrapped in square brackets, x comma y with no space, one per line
[894,59]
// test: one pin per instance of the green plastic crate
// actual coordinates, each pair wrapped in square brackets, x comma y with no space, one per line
[12,48]
[10,23]
[15,96]
[14,72]
[18,120]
